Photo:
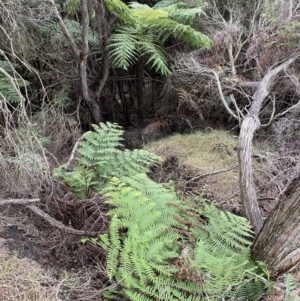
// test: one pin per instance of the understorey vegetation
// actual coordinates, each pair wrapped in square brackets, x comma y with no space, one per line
[160,246]
[149,150]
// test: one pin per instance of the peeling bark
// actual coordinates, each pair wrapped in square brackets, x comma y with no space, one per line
[278,244]
[250,124]
[248,194]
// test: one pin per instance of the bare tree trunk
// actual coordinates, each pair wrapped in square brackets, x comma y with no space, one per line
[249,125]
[103,33]
[248,194]
[87,95]
[278,244]
[81,56]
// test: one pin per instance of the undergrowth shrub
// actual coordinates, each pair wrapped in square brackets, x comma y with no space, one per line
[160,246]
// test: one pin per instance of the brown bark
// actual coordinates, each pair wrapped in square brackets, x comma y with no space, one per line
[103,33]
[249,125]
[81,56]
[278,244]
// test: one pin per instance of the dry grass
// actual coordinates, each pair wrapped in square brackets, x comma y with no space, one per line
[213,150]
[25,280]
[205,152]
[201,151]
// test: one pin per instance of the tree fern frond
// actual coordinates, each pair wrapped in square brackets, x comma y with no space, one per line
[182,12]
[142,23]
[144,12]
[121,10]
[165,3]
[122,47]
[167,27]
[156,58]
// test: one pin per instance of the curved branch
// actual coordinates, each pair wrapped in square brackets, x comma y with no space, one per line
[222,96]
[65,30]
[52,221]
[250,124]
[55,223]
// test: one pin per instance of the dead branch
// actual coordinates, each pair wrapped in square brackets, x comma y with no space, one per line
[75,149]
[248,84]
[53,222]
[18,201]
[212,173]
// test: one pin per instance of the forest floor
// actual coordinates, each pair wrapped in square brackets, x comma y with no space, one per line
[38,262]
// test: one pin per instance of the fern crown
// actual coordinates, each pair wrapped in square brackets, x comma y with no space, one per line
[145,29]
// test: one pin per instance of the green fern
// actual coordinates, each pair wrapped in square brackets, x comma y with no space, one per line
[291,287]
[160,247]
[127,44]
[145,29]
[181,11]
[6,86]
[120,10]
[101,159]
[219,266]
[74,28]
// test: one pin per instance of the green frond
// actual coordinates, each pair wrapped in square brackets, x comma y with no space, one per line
[121,10]
[291,288]
[144,12]
[123,49]
[166,27]
[180,11]
[160,247]
[165,3]
[155,57]
[146,29]
[112,262]
[126,45]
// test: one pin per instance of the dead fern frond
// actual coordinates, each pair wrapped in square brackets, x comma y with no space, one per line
[187,98]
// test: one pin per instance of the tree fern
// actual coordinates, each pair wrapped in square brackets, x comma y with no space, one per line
[120,10]
[181,11]
[145,29]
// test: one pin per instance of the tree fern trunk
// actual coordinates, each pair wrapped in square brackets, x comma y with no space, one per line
[278,243]
[124,103]
[140,90]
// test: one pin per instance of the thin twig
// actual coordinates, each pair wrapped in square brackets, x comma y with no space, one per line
[75,148]
[18,201]
[213,173]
